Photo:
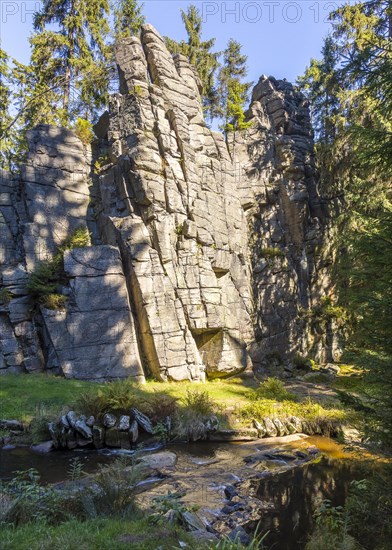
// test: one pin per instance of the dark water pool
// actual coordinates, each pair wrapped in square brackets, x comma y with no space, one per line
[52,467]
[297,493]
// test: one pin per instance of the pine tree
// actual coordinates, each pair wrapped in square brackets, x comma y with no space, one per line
[233,91]
[200,56]
[128,18]
[68,73]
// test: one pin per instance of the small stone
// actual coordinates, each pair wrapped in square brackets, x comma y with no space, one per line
[313,450]
[261,430]
[212,424]
[230,491]
[133,431]
[143,420]
[281,429]
[82,442]
[240,535]
[64,421]
[201,536]
[11,425]
[270,427]
[109,420]
[112,438]
[45,447]
[82,428]
[90,421]
[165,459]
[296,422]
[191,521]
[123,423]
[98,437]
[72,418]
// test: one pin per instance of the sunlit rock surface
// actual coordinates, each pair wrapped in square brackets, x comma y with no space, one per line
[207,255]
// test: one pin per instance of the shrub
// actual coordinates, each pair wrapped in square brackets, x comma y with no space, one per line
[45,278]
[5,296]
[49,274]
[200,402]
[327,309]
[159,406]
[53,301]
[331,530]
[101,162]
[91,403]
[191,419]
[170,503]
[31,502]
[301,362]
[273,388]
[369,507]
[83,129]
[79,238]
[116,484]
[38,428]
[121,395]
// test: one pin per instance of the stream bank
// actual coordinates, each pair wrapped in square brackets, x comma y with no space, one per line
[273,485]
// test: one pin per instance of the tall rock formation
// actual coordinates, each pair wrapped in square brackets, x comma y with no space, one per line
[206,255]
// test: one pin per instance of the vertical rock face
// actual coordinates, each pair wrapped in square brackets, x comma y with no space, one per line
[286,219]
[205,254]
[179,223]
[94,337]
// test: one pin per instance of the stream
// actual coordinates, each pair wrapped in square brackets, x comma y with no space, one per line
[291,492]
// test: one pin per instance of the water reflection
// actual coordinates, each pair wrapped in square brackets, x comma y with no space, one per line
[52,467]
[296,494]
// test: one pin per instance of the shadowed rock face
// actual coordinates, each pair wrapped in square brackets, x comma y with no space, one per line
[204,251]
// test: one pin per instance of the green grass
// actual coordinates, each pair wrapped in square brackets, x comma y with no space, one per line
[31,396]
[23,397]
[308,410]
[103,534]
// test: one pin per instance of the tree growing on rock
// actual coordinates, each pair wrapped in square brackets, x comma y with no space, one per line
[200,55]
[233,92]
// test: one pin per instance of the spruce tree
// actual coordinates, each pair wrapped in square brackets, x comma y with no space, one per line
[233,92]
[200,55]
[361,162]
[128,18]
[5,100]
[68,73]
[321,84]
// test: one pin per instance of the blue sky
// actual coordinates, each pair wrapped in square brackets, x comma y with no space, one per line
[278,36]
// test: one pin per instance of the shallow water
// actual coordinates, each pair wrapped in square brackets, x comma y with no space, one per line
[203,470]
[52,467]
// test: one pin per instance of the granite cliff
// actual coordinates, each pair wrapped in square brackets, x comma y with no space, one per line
[207,257]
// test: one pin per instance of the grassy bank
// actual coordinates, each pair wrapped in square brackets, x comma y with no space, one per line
[236,401]
[25,397]
[103,533]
